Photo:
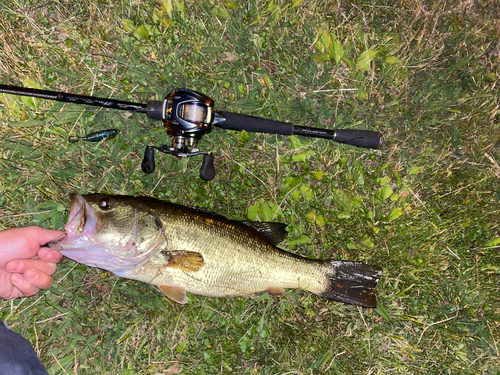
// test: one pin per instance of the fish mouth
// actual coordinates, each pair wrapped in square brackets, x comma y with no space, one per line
[81,226]
[77,220]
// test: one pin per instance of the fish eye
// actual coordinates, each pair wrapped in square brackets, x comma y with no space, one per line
[104,204]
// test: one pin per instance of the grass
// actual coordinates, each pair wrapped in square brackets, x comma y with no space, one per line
[426,207]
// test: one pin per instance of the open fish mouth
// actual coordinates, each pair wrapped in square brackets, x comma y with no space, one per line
[82,218]
[81,227]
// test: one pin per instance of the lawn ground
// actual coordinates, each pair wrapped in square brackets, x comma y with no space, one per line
[425,207]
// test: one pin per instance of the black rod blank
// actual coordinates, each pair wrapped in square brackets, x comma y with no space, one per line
[73,98]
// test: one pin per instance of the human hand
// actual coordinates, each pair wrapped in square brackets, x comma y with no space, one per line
[20,274]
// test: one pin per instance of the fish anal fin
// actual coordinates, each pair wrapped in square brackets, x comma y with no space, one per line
[175,293]
[189,261]
[272,291]
[275,291]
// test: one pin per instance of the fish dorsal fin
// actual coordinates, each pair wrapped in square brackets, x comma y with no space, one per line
[274,232]
[190,261]
[175,293]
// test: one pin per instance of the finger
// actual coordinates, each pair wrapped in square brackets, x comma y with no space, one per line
[22,265]
[25,287]
[25,242]
[39,279]
[49,255]
[7,290]
[42,236]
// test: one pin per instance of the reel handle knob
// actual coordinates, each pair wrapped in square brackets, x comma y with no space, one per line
[148,163]
[207,170]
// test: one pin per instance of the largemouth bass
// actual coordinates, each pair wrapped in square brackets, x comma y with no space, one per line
[186,250]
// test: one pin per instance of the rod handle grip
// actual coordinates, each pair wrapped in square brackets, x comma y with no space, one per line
[252,124]
[359,138]
[353,137]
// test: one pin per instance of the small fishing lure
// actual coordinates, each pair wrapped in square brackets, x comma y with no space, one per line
[95,136]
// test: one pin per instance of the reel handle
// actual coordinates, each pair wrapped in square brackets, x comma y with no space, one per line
[148,163]
[207,170]
[353,137]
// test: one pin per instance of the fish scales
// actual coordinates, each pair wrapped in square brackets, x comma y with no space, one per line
[238,261]
[186,250]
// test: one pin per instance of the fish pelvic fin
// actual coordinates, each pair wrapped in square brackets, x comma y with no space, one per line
[175,293]
[352,282]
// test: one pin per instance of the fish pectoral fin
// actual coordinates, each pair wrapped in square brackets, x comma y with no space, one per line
[190,261]
[175,293]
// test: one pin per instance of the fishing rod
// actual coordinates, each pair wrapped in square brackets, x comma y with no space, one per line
[188,115]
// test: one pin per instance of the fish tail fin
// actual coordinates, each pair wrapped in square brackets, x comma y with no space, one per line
[351,282]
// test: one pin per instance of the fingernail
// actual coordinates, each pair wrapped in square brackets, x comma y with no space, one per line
[31,274]
[16,279]
[44,253]
[15,266]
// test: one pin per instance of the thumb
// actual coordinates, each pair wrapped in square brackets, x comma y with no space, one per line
[34,238]
[45,236]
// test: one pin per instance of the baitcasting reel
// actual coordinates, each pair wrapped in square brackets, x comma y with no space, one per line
[188,115]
